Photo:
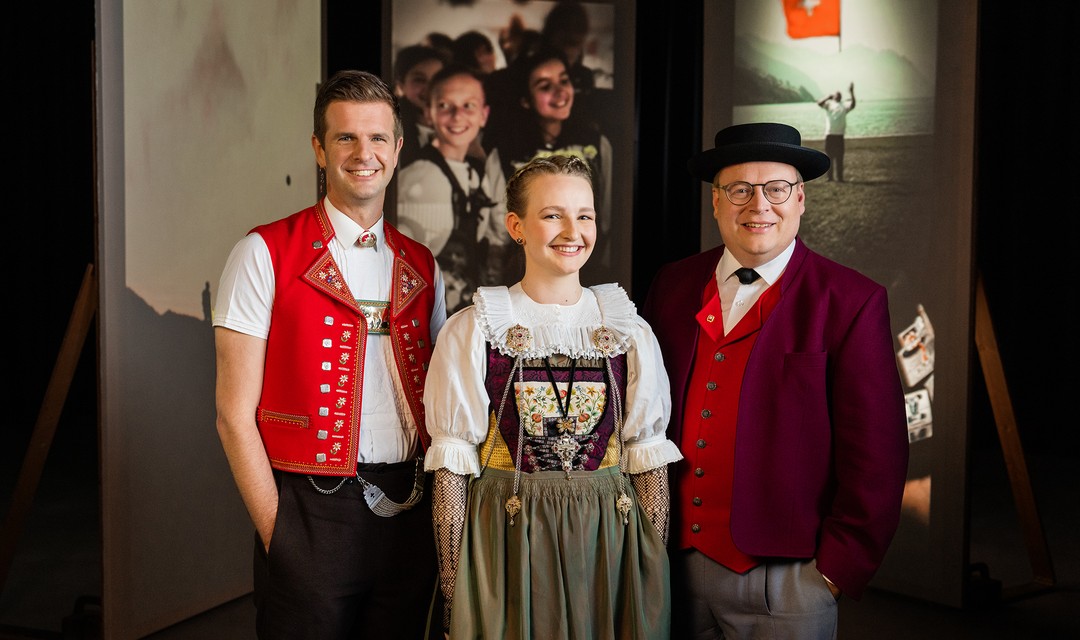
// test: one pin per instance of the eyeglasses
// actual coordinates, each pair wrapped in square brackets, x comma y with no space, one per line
[776,191]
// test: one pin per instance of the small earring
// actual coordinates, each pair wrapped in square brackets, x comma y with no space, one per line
[520,241]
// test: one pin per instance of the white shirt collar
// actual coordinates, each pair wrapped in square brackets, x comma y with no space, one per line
[770,272]
[347,231]
[553,328]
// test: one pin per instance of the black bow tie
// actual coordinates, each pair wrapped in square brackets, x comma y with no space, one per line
[746,276]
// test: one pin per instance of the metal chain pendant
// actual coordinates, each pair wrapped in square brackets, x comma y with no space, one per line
[566,448]
[513,507]
[624,503]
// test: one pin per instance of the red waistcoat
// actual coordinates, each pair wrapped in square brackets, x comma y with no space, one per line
[309,412]
[704,475]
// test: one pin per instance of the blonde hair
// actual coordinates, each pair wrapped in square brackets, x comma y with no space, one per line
[517,187]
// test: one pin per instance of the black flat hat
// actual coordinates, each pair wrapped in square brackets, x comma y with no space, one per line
[758,142]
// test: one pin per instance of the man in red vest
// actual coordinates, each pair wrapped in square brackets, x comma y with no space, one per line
[324,327]
[786,403]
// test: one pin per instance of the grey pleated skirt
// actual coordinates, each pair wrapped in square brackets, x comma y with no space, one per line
[569,568]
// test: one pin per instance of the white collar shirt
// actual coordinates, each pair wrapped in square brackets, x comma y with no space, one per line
[737,298]
[367,270]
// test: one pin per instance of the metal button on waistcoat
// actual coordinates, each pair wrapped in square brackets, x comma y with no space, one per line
[701,443]
[697,502]
[699,472]
[705,413]
[711,386]
[696,528]
[719,357]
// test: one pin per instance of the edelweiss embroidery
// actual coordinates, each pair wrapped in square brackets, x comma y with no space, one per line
[331,278]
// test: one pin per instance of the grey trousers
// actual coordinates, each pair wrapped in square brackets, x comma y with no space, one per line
[774,600]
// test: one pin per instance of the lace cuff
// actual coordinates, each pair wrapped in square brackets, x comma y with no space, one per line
[448,505]
[654,495]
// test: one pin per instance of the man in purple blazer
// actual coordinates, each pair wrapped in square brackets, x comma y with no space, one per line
[786,403]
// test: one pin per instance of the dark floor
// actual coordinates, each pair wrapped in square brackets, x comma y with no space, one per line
[43,593]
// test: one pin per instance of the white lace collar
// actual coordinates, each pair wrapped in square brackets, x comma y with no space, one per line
[596,326]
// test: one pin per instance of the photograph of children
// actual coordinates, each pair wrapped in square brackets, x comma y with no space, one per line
[448,197]
[502,82]
[861,81]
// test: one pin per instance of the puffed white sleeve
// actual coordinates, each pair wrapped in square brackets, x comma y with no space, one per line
[455,399]
[648,405]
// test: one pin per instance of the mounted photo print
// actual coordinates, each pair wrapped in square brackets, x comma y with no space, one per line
[487,85]
[886,90]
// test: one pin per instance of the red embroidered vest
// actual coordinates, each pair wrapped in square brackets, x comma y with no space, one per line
[309,412]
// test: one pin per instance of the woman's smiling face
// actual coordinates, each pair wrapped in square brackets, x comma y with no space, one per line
[558,225]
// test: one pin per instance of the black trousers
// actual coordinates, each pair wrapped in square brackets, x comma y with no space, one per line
[335,570]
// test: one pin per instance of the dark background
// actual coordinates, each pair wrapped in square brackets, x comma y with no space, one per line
[1025,202]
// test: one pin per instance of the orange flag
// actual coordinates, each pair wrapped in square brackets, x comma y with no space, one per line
[810,18]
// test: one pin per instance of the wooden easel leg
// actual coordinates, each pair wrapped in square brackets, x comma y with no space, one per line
[48,417]
[1034,539]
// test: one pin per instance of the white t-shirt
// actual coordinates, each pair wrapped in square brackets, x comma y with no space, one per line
[836,116]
